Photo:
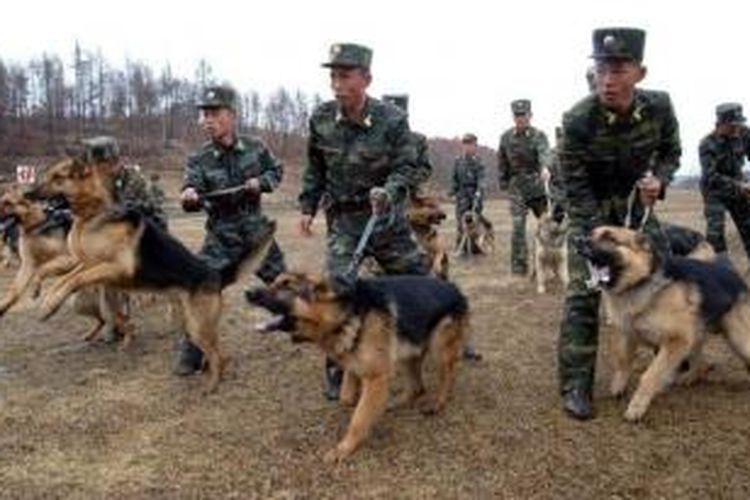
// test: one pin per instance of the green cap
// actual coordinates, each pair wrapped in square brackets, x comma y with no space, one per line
[619,43]
[348,55]
[218,96]
[729,112]
[469,138]
[101,148]
[398,100]
[520,106]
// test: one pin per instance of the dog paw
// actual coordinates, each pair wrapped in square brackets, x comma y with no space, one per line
[337,455]
[618,385]
[635,412]
[430,407]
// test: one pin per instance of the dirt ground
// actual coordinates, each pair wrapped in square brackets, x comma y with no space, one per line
[82,420]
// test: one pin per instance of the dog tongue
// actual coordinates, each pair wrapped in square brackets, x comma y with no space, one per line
[599,275]
[270,324]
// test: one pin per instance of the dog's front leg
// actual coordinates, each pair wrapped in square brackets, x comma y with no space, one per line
[59,265]
[371,405]
[539,271]
[659,373]
[17,287]
[623,351]
[104,272]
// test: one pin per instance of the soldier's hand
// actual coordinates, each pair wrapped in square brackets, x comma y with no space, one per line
[649,189]
[253,185]
[379,200]
[305,225]
[189,198]
[545,175]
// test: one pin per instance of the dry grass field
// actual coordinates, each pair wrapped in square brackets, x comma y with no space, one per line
[82,420]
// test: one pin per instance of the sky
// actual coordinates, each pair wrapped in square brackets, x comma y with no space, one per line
[461,62]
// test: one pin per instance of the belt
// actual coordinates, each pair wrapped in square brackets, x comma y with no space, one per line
[347,207]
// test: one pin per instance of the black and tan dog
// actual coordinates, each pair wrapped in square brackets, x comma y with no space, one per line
[43,237]
[477,235]
[668,303]
[119,246]
[424,215]
[368,327]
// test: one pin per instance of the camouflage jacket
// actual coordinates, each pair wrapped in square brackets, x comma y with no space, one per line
[157,194]
[722,159]
[345,159]
[521,153]
[604,154]
[424,167]
[213,166]
[128,186]
[468,176]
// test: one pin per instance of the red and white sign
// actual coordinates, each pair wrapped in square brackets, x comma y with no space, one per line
[25,174]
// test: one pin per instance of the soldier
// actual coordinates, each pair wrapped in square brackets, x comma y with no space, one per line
[235,219]
[359,149]
[522,155]
[468,183]
[552,176]
[723,185]
[424,167]
[621,147]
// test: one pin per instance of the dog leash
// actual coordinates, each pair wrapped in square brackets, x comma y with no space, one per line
[631,207]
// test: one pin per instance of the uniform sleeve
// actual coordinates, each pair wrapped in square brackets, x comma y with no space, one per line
[455,181]
[718,183]
[542,150]
[669,150]
[313,179]
[582,205]
[503,165]
[403,161]
[193,174]
[424,167]
[272,171]
[481,178]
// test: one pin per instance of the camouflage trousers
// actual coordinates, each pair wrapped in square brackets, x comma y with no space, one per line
[579,330]
[229,238]
[392,244]
[519,208]
[715,208]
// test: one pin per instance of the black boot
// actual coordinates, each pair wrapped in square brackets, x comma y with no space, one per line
[189,359]
[577,403]
[334,376]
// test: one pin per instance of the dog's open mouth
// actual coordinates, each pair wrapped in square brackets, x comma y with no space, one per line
[600,275]
[272,324]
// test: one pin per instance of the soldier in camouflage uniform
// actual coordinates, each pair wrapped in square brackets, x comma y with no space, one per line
[235,220]
[360,149]
[468,182]
[723,185]
[522,154]
[621,147]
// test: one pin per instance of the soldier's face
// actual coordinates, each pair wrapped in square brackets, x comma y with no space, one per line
[217,123]
[469,148]
[615,82]
[349,86]
[522,120]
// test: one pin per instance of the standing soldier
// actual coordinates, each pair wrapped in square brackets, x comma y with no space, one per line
[621,147]
[723,185]
[360,149]
[468,183]
[245,168]
[523,153]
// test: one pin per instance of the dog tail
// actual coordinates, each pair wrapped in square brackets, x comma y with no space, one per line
[251,260]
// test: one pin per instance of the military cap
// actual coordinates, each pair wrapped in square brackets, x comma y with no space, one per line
[729,112]
[218,96]
[400,100]
[101,148]
[469,138]
[348,55]
[520,106]
[619,43]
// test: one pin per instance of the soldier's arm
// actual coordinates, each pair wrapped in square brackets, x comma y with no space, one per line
[669,150]
[581,202]
[481,178]
[424,167]
[313,179]
[404,161]
[542,150]
[718,183]
[503,166]
[193,175]
[272,171]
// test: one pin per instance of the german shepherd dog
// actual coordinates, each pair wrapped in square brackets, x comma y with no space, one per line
[424,213]
[119,246]
[550,252]
[669,303]
[42,239]
[368,327]
[477,236]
